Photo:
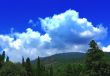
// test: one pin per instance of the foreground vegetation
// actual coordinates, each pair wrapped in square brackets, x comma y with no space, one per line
[95,63]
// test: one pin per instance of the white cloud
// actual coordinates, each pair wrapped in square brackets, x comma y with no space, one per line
[67,29]
[106,49]
[65,32]
[26,44]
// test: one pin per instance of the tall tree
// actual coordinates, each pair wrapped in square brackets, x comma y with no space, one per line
[23,62]
[41,70]
[7,59]
[2,59]
[38,67]
[95,64]
[28,67]
[51,71]
[3,56]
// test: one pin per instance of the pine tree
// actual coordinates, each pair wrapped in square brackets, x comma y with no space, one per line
[1,61]
[38,67]
[95,64]
[41,70]
[28,67]
[3,56]
[23,62]
[51,71]
[7,59]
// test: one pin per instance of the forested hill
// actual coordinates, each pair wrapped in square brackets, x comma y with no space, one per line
[66,58]
[62,57]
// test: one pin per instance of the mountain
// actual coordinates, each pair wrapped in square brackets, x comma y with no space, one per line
[71,57]
[63,58]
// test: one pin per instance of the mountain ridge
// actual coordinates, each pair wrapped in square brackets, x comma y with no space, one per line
[65,57]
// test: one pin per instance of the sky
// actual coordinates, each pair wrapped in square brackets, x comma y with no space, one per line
[32,28]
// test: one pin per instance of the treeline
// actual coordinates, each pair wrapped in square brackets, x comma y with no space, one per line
[95,64]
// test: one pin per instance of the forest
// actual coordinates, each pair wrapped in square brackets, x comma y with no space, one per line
[95,62]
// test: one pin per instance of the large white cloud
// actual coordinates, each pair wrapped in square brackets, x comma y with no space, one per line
[68,29]
[65,32]
[25,44]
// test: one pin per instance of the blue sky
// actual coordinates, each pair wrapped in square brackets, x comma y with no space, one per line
[17,13]
[38,22]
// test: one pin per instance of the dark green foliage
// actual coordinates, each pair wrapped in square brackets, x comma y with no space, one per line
[51,72]
[2,59]
[94,55]
[40,68]
[1,62]
[3,56]
[28,67]
[23,62]
[7,59]
[95,63]
[78,69]
[10,69]
[74,70]
[69,71]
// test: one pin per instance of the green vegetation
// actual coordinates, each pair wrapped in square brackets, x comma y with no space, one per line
[10,69]
[93,63]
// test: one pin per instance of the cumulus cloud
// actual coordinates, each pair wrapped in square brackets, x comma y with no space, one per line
[68,29]
[106,49]
[26,44]
[65,32]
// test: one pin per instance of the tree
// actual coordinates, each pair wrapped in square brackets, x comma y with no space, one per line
[3,56]
[11,69]
[51,71]
[69,70]
[2,59]
[41,70]
[38,67]
[95,63]
[7,59]
[78,69]
[23,62]
[28,67]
